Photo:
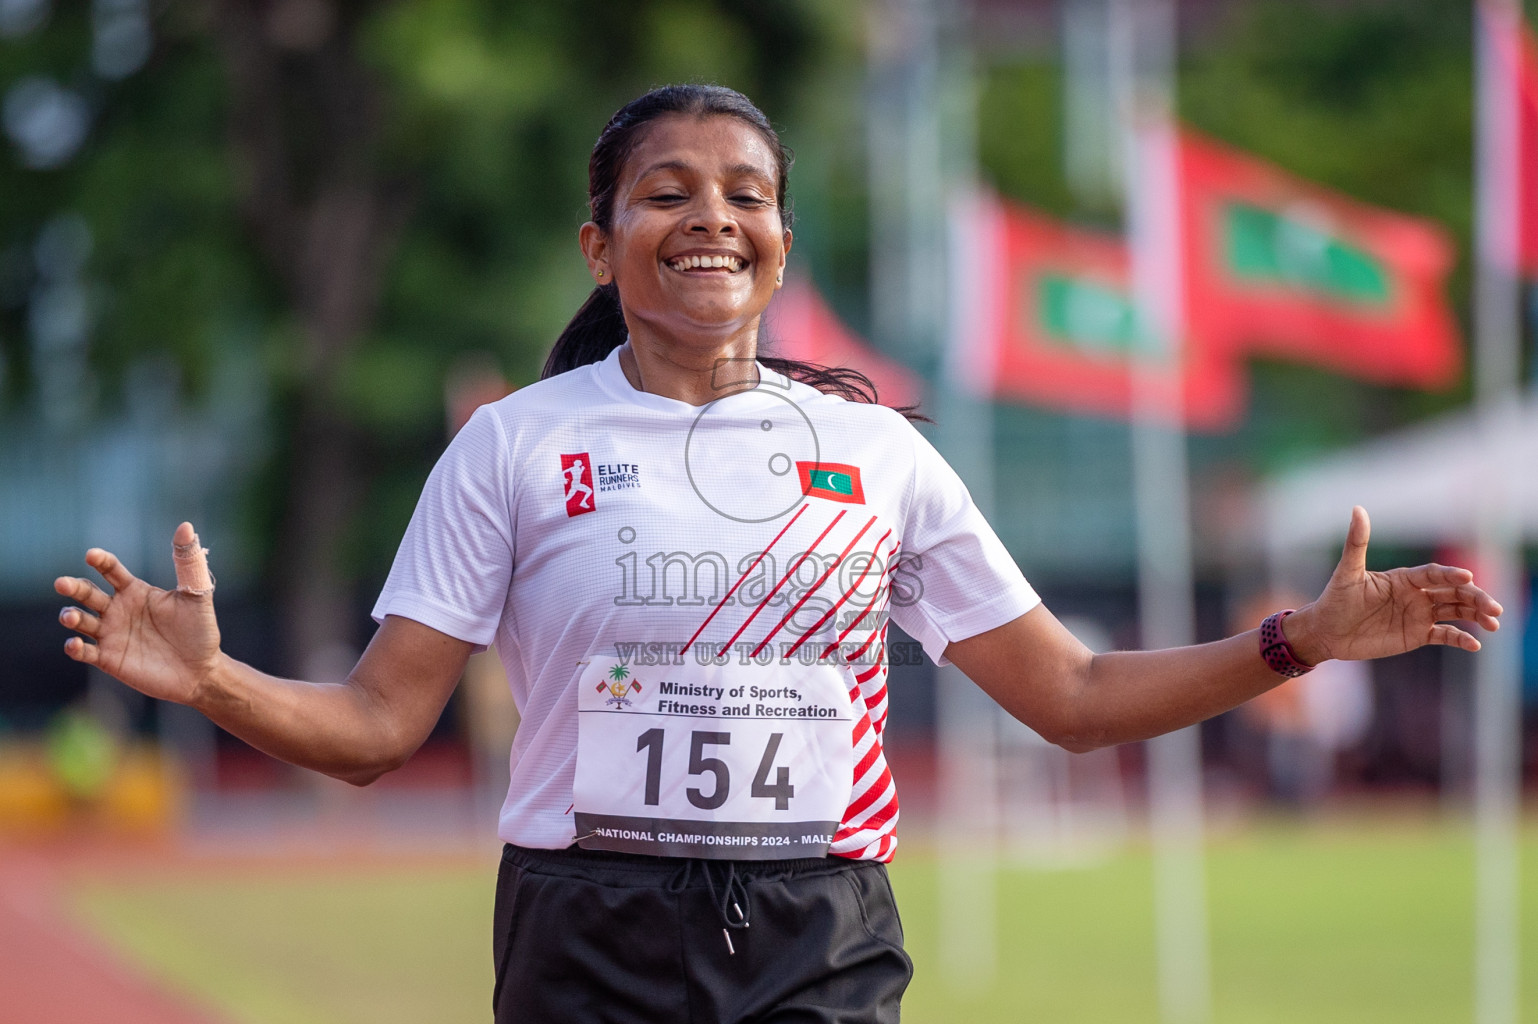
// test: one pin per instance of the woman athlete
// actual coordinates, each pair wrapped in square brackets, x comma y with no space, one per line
[686,554]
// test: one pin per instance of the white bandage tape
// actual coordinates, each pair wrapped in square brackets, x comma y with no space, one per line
[192,575]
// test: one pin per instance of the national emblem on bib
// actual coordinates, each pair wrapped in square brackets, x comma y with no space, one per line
[620,686]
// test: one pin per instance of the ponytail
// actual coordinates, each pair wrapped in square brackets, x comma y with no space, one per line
[596,330]
[847,383]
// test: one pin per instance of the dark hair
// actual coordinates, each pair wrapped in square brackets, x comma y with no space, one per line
[599,326]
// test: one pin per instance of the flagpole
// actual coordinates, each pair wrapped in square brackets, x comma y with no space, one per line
[922,145]
[969,718]
[1092,159]
[1143,40]
[1497,360]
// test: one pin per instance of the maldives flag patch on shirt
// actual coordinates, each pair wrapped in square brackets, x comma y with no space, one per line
[832,480]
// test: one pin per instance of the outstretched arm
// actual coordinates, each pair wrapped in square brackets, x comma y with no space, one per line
[1041,674]
[166,644]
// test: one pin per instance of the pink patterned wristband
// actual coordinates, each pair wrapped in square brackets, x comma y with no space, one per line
[1275,649]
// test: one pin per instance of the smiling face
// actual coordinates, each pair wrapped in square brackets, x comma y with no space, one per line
[696,244]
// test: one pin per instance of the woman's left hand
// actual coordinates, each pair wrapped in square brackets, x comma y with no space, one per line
[1364,614]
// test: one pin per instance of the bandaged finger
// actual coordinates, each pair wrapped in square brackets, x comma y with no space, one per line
[192,575]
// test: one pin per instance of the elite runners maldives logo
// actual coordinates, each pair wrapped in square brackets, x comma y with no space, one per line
[618,476]
[618,688]
[577,483]
[832,480]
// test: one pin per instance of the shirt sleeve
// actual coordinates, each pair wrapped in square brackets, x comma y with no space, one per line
[455,563]
[953,578]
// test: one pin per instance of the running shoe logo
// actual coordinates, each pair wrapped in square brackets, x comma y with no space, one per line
[577,483]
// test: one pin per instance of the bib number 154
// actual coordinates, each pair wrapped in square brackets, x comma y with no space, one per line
[702,763]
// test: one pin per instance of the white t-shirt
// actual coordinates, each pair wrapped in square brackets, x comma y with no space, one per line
[579,511]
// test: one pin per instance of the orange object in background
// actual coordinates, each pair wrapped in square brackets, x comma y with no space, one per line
[144,792]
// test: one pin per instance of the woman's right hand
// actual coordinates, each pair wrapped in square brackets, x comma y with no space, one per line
[163,643]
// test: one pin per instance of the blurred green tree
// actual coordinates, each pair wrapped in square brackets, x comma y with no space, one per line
[368,190]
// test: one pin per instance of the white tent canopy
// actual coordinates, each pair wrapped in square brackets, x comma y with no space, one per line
[1422,486]
[1447,481]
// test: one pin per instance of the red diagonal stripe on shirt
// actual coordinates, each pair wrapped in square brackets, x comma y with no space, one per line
[878,720]
[865,762]
[834,564]
[749,569]
[876,821]
[868,799]
[861,727]
[840,602]
[875,667]
[879,820]
[874,700]
[882,585]
[855,656]
[783,580]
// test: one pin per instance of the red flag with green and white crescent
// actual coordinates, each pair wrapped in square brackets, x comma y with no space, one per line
[1280,266]
[1053,321]
[835,481]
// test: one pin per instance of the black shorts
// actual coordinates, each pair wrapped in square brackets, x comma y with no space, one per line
[589,936]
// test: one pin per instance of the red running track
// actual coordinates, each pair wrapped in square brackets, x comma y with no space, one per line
[53,970]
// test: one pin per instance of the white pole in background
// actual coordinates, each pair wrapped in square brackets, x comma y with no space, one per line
[1143,46]
[1497,358]
[922,145]
[1093,161]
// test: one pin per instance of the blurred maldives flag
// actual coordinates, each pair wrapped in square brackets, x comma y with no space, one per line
[1280,266]
[1052,322]
[1527,188]
[1511,51]
[802,326]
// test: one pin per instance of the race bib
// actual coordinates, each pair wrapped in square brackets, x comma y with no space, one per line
[741,762]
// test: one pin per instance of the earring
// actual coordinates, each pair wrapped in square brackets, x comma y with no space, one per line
[779,278]
[600,273]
